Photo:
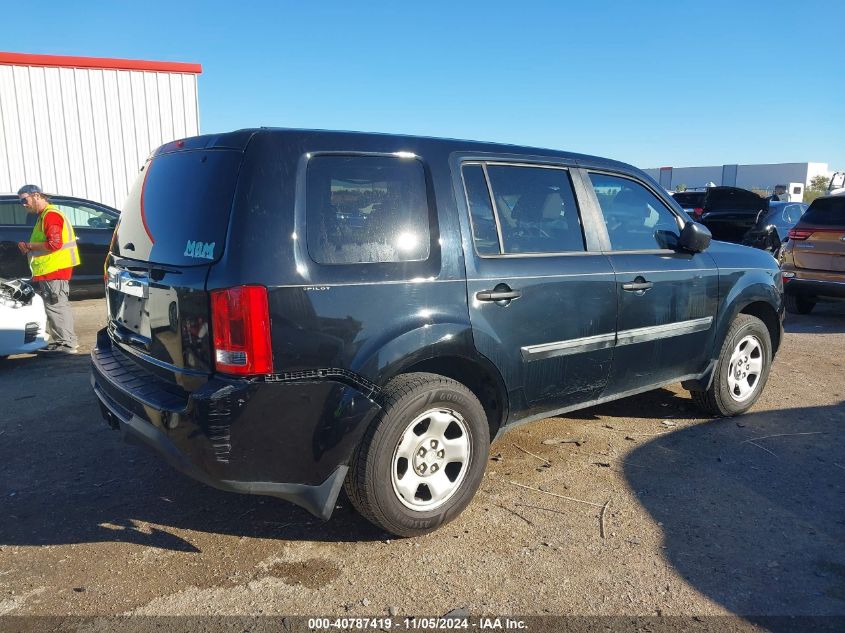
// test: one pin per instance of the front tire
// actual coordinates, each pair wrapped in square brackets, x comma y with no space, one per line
[741,371]
[422,459]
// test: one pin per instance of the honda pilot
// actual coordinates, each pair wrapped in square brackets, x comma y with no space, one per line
[292,312]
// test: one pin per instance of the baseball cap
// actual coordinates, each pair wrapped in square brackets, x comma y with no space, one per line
[29,189]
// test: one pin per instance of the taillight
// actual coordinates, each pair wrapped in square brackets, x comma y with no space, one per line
[240,318]
[696,212]
[799,234]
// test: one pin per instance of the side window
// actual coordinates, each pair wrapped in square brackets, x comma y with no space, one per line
[13,212]
[484,231]
[366,209]
[81,216]
[536,209]
[792,213]
[636,219]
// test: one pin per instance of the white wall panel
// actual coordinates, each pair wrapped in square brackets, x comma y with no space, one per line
[5,171]
[153,109]
[11,126]
[76,166]
[192,113]
[165,106]
[90,159]
[86,131]
[102,136]
[177,100]
[115,138]
[26,120]
[131,162]
[41,127]
[143,143]
[57,127]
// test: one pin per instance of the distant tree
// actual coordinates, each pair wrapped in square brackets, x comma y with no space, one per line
[819,183]
[818,187]
[680,188]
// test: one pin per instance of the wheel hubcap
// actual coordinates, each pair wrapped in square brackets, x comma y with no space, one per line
[431,459]
[745,368]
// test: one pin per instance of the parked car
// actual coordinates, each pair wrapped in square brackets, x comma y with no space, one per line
[772,227]
[93,223]
[489,285]
[813,258]
[23,322]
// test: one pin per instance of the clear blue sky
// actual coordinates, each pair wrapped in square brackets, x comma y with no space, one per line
[650,83]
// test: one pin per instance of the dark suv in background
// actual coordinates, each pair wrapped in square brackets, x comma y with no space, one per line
[291,311]
[93,223]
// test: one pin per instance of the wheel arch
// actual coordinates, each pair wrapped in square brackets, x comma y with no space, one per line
[758,293]
[769,316]
[479,377]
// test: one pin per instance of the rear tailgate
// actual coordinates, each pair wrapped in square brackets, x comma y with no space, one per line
[821,245]
[172,229]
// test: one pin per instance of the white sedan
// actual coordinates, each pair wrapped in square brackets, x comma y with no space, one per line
[23,322]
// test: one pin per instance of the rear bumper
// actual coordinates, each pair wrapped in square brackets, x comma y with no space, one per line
[815,287]
[290,439]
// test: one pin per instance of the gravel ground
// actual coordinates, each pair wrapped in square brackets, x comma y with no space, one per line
[737,517]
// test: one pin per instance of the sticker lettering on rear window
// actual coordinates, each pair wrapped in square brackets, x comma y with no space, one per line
[202,250]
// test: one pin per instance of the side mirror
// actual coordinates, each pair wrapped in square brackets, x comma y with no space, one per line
[695,237]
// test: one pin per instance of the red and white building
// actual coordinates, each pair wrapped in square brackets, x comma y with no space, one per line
[83,126]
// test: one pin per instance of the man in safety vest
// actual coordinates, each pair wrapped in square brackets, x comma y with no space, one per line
[52,255]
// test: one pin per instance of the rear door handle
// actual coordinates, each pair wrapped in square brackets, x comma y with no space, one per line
[502,292]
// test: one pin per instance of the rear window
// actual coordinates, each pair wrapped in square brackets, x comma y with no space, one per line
[178,209]
[366,210]
[826,212]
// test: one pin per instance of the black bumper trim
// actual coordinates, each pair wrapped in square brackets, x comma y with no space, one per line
[815,287]
[319,500]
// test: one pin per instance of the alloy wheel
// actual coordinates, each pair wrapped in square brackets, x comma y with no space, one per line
[431,459]
[745,368]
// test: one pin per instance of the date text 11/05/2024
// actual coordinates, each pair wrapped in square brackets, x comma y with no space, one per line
[416,624]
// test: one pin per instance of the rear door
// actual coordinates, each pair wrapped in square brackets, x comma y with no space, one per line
[542,299]
[667,298]
[172,229]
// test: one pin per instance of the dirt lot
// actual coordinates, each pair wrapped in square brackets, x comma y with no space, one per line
[740,516]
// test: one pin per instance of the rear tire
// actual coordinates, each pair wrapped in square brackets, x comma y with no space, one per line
[422,459]
[741,371]
[796,304]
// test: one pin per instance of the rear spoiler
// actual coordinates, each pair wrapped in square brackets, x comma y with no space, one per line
[231,140]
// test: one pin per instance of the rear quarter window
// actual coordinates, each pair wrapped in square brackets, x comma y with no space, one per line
[366,210]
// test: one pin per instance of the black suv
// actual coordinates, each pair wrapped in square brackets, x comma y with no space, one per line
[93,223]
[293,310]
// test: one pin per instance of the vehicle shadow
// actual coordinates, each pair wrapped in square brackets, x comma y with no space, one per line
[66,477]
[659,403]
[753,509]
[827,317]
